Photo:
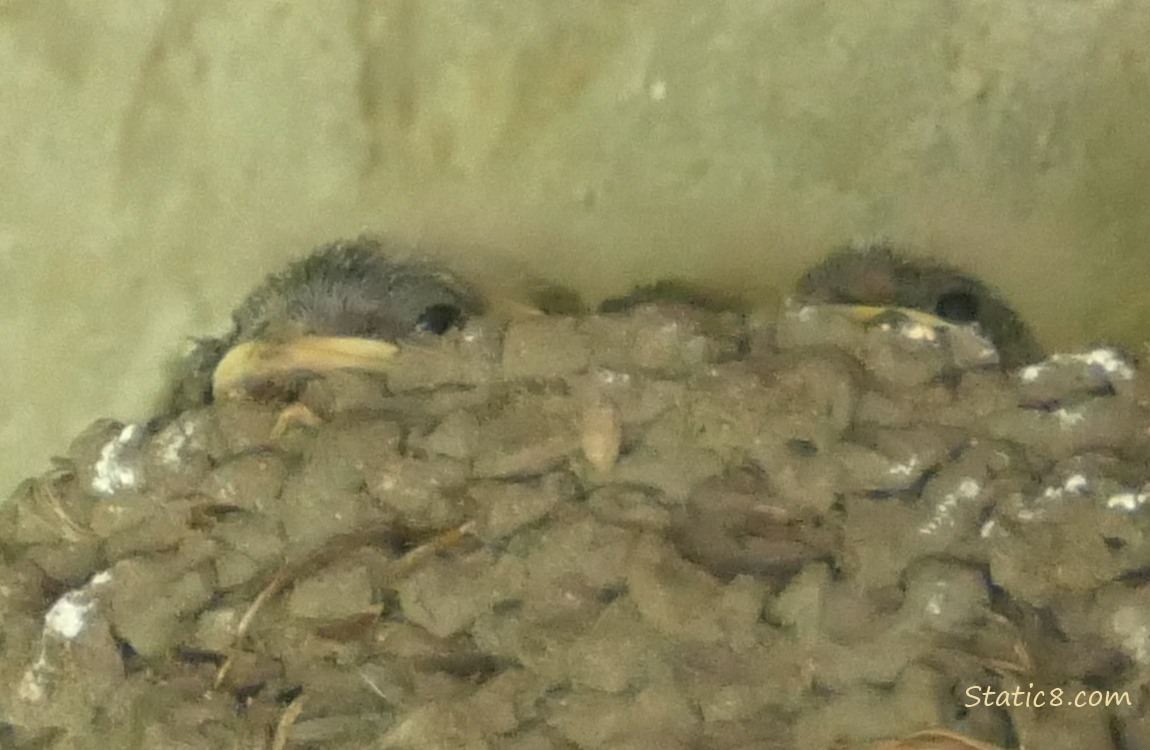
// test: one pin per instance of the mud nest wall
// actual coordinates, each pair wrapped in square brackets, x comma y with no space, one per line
[660,528]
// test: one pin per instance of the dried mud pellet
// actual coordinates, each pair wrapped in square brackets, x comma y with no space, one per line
[602,435]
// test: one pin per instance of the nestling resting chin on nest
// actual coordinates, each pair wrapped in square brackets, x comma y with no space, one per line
[345,306]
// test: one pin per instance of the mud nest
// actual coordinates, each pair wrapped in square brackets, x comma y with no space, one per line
[664,528]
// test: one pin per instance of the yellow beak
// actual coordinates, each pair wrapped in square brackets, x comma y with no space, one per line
[252,363]
[870,314]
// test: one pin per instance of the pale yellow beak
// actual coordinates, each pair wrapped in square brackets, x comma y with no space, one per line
[252,363]
[870,313]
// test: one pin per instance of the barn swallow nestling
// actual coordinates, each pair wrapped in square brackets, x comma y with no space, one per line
[345,306]
[876,279]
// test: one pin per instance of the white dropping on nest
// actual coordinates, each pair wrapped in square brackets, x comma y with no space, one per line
[1068,419]
[69,615]
[1107,360]
[1127,501]
[172,442]
[65,620]
[1075,484]
[111,473]
[904,470]
[943,516]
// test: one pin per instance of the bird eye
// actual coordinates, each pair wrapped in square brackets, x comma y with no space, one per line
[438,318]
[957,307]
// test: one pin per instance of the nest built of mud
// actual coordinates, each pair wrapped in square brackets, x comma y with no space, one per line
[664,527]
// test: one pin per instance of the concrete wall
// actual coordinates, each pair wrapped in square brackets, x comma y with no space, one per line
[157,157]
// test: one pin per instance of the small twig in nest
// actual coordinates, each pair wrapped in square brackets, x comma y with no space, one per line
[935,739]
[326,554]
[46,496]
[417,555]
[371,684]
[287,719]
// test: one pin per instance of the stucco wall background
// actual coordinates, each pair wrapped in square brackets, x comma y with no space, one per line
[157,157]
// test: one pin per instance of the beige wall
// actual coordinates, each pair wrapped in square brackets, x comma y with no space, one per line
[157,157]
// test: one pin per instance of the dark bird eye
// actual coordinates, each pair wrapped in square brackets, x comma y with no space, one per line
[438,318]
[957,307]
